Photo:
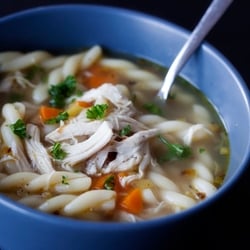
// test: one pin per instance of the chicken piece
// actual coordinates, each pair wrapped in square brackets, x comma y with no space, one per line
[121,121]
[83,150]
[109,93]
[38,154]
[18,162]
[130,153]
[15,160]
[81,125]
[76,127]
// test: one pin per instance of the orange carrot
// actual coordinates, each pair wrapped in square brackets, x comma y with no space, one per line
[47,113]
[103,181]
[97,75]
[84,104]
[132,202]
[98,182]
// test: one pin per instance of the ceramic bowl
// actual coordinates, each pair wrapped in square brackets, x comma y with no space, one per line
[63,27]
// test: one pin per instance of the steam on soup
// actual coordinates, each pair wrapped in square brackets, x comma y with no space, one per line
[81,138]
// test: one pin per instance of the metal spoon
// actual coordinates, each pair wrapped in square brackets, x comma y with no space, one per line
[215,10]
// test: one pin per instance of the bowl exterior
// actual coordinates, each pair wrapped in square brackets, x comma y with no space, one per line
[72,27]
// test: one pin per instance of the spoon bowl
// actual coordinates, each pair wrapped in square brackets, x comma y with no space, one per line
[214,12]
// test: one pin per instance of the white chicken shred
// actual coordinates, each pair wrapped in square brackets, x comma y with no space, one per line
[37,152]
[83,150]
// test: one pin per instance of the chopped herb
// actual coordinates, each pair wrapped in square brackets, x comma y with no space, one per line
[57,152]
[97,112]
[19,128]
[62,116]
[35,70]
[201,150]
[153,108]
[109,183]
[79,92]
[174,150]
[65,180]
[125,131]
[61,91]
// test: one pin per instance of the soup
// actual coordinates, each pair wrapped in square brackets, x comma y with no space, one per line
[81,138]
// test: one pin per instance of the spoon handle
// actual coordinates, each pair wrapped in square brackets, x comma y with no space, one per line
[215,10]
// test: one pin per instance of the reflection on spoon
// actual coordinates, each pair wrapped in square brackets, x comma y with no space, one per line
[215,10]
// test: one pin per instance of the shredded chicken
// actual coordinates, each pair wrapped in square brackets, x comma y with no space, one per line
[80,126]
[19,161]
[38,154]
[130,153]
[16,160]
[82,150]
[75,128]
[119,121]
[109,93]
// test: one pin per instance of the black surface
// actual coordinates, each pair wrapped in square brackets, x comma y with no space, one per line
[229,221]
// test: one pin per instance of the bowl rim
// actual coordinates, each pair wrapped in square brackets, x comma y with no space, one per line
[110,226]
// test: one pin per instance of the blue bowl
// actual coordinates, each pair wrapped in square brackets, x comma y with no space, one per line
[64,27]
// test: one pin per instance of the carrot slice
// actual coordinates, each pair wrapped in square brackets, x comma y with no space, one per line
[97,75]
[47,113]
[99,182]
[112,179]
[84,104]
[132,202]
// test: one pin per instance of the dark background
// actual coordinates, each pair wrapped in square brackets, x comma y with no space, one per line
[228,221]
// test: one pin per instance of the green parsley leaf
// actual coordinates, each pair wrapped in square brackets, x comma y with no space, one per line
[125,131]
[57,152]
[33,71]
[201,150]
[59,92]
[109,183]
[79,92]
[65,180]
[19,128]
[174,150]
[153,108]
[62,116]
[97,112]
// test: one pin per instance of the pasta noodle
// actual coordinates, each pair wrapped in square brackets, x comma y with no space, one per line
[81,138]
